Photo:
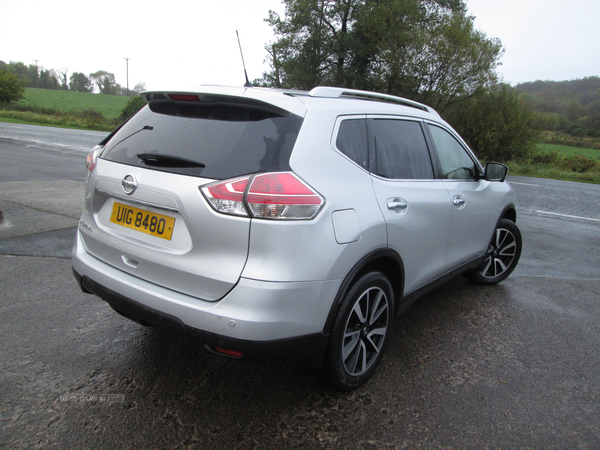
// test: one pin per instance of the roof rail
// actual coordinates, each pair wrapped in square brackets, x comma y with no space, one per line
[335,92]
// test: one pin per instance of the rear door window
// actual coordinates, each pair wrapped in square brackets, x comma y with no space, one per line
[218,140]
[400,149]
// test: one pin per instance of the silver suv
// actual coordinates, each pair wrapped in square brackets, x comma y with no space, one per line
[271,223]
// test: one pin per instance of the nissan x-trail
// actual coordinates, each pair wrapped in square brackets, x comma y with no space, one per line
[271,223]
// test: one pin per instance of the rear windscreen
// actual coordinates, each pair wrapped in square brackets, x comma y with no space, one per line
[219,140]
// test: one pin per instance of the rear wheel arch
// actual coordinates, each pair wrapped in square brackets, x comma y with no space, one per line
[360,332]
[386,261]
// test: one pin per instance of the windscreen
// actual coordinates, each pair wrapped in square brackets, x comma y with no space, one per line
[218,139]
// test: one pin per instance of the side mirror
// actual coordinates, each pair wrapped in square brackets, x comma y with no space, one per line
[495,172]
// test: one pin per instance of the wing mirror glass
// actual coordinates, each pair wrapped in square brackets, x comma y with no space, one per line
[495,172]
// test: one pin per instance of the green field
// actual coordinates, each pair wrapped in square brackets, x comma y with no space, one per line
[110,106]
[569,151]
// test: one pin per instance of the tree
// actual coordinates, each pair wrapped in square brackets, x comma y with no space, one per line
[48,79]
[445,61]
[80,83]
[11,88]
[427,50]
[139,88]
[497,125]
[105,82]
[62,74]
[33,76]
[313,42]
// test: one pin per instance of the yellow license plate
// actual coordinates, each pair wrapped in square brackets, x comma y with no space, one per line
[142,220]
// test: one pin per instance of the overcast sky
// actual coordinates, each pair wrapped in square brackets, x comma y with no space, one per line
[191,42]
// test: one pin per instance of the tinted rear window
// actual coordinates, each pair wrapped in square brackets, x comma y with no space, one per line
[227,138]
[401,149]
[352,141]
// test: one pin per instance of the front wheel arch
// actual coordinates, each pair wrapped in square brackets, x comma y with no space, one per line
[502,255]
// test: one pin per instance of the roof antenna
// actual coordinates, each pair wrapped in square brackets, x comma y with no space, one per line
[248,84]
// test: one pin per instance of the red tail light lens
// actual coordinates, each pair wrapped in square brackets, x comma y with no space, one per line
[227,197]
[280,196]
[91,160]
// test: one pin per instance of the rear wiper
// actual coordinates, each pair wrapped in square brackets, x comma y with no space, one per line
[109,137]
[162,160]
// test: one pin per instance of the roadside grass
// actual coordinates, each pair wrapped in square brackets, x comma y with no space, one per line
[66,109]
[561,162]
[545,171]
[94,121]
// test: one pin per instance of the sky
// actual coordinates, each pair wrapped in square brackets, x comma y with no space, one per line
[182,43]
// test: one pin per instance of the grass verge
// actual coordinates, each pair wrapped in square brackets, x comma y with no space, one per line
[560,162]
[83,121]
[545,171]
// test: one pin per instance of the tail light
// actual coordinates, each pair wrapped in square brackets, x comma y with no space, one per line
[92,158]
[280,196]
[227,197]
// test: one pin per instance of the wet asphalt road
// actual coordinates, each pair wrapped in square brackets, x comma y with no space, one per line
[510,366]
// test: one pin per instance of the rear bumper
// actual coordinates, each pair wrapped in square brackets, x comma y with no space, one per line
[256,318]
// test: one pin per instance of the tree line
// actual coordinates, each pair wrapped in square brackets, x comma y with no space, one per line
[38,77]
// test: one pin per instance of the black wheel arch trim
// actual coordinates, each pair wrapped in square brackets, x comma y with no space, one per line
[509,212]
[374,261]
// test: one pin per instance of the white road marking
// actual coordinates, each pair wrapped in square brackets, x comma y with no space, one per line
[524,184]
[566,215]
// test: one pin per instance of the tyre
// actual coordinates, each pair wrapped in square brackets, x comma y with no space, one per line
[360,332]
[502,255]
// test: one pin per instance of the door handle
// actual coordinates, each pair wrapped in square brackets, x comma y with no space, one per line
[458,200]
[396,204]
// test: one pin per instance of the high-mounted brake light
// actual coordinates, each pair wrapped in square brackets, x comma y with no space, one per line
[184,97]
[279,195]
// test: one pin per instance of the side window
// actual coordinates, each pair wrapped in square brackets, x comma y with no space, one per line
[456,162]
[400,149]
[352,141]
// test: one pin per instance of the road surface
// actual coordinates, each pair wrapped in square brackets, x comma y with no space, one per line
[515,365]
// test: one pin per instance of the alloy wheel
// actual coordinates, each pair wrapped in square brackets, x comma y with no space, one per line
[500,255]
[365,331]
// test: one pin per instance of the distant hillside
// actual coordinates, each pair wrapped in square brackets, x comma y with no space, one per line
[571,106]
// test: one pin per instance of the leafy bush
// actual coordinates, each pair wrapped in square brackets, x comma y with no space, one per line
[133,105]
[560,161]
[11,88]
[92,117]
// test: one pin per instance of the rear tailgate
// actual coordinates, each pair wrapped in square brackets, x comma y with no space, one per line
[145,213]
[205,252]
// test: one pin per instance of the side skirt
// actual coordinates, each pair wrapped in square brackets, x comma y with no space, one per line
[409,299]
